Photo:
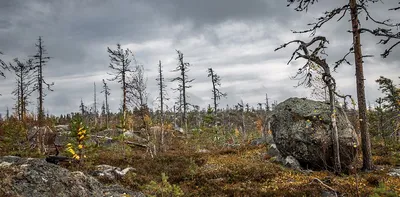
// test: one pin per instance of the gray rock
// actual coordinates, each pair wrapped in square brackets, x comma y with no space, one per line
[110,173]
[110,132]
[133,136]
[395,172]
[128,134]
[300,128]
[62,138]
[273,151]
[36,177]
[292,162]
[328,194]
[269,139]
[258,141]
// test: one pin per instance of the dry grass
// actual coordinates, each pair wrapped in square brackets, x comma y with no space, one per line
[239,171]
[236,171]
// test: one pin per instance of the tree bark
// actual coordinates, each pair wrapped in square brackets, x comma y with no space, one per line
[40,86]
[362,107]
[124,94]
[161,106]
[335,135]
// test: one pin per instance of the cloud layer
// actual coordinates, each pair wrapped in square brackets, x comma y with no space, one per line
[236,38]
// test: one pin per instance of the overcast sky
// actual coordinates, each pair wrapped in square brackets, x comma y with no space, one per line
[236,38]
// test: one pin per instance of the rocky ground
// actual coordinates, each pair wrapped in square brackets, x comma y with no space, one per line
[36,177]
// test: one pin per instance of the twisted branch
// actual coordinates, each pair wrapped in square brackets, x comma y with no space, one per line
[387,35]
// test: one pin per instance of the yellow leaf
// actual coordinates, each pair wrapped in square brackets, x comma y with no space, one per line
[237,132]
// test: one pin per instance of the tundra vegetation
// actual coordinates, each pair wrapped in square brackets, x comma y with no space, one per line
[219,151]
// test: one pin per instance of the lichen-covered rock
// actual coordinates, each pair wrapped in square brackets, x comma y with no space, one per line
[301,128]
[273,150]
[110,173]
[395,172]
[258,142]
[36,177]
[292,162]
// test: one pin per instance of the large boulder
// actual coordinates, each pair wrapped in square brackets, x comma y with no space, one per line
[301,128]
[35,177]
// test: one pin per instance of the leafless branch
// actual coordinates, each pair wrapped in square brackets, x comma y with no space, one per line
[385,22]
[303,4]
[323,184]
[328,15]
[344,59]
[387,35]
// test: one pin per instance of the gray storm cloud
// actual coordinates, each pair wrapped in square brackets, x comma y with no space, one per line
[236,38]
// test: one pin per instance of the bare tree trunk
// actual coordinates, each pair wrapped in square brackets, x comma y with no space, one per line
[243,122]
[124,97]
[334,130]
[184,118]
[95,104]
[40,87]
[365,138]
[161,106]
[214,91]
[266,126]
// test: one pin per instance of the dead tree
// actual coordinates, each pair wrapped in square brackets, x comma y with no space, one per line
[217,94]
[266,125]
[316,65]
[120,64]
[391,101]
[95,113]
[162,97]
[83,109]
[39,61]
[7,114]
[384,31]
[178,105]
[102,113]
[240,106]
[23,90]
[184,81]
[136,92]
[106,92]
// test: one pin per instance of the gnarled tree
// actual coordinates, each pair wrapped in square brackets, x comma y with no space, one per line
[137,94]
[105,107]
[391,102]
[216,82]
[184,81]
[120,64]
[39,61]
[23,90]
[316,65]
[162,98]
[355,8]
[95,112]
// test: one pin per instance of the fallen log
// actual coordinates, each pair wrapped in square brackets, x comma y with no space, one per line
[134,144]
